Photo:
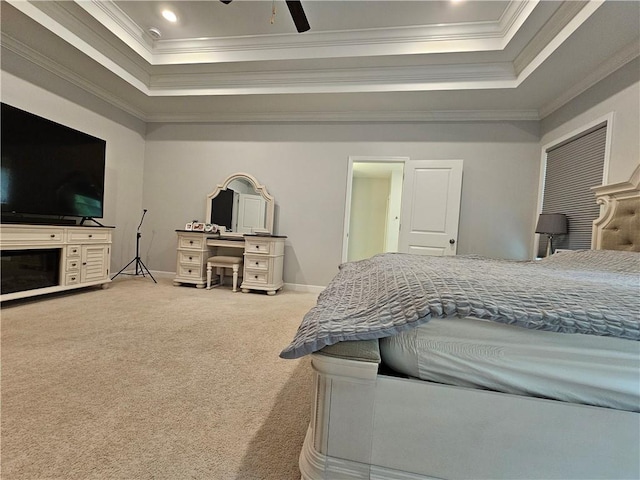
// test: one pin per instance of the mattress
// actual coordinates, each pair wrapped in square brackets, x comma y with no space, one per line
[469,352]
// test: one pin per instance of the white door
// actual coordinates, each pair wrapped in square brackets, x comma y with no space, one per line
[431,207]
[251,213]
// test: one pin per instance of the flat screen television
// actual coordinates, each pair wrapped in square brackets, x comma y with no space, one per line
[48,170]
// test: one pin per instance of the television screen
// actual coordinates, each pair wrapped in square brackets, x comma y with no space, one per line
[49,169]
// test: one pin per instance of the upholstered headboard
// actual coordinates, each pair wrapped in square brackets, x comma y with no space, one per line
[618,227]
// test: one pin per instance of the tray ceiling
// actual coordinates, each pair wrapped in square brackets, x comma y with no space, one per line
[362,60]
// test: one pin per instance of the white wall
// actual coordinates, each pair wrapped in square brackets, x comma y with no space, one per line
[304,166]
[124,154]
[620,94]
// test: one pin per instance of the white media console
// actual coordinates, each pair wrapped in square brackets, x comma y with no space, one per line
[39,259]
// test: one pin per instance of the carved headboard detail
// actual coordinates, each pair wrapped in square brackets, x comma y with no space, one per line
[618,227]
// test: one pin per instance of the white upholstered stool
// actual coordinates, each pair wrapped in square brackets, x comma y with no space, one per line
[221,262]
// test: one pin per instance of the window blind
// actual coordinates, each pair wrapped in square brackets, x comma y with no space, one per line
[573,167]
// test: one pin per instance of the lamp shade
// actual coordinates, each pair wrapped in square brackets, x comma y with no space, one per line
[552,223]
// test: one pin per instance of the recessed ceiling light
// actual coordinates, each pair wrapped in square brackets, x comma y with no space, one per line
[169,15]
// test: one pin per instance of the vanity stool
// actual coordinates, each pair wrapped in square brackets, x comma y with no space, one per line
[221,262]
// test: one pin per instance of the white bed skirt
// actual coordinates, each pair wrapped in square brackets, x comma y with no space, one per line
[370,426]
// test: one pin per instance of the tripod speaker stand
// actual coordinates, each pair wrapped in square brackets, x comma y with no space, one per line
[141,268]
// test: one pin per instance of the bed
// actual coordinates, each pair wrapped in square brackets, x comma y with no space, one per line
[535,378]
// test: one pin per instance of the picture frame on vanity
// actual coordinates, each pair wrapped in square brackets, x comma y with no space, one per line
[188,226]
[197,227]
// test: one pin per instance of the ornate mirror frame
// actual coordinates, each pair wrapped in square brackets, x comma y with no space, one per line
[259,189]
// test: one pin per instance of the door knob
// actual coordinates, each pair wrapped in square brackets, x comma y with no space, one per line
[452,241]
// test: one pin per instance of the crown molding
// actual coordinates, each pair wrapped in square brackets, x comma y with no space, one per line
[74,32]
[381,79]
[113,18]
[424,116]
[552,45]
[36,58]
[620,59]
[461,37]
[32,56]
[565,13]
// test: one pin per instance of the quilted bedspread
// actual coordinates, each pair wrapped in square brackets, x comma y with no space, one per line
[594,292]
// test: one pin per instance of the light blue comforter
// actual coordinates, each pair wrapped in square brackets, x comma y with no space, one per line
[595,292]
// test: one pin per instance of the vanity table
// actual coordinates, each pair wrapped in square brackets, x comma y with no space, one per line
[246,210]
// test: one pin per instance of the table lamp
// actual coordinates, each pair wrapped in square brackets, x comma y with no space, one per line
[551,224]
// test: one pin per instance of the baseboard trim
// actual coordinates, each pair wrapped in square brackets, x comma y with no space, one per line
[291,287]
[296,287]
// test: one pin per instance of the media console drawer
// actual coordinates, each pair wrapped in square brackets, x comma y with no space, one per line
[78,236]
[31,237]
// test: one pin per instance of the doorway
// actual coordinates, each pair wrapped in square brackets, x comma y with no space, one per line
[373,207]
[397,205]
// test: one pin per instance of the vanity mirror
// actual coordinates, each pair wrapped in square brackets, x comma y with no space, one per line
[241,205]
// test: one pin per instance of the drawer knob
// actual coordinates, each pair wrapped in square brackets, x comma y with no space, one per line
[189,271]
[190,258]
[73,278]
[191,242]
[53,235]
[255,276]
[257,263]
[90,236]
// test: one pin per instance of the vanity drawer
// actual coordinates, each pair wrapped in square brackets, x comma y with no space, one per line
[89,236]
[73,278]
[191,241]
[256,277]
[190,258]
[257,246]
[73,251]
[190,271]
[256,262]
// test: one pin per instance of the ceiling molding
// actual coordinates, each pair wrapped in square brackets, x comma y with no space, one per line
[565,13]
[555,43]
[514,16]
[620,59]
[378,42]
[381,79]
[34,57]
[62,31]
[109,15]
[353,117]
[29,54]
[450,38]
[112,41]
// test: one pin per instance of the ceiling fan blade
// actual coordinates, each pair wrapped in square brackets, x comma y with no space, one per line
[298,16]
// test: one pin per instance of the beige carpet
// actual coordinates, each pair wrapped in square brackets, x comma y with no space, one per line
[146,381]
